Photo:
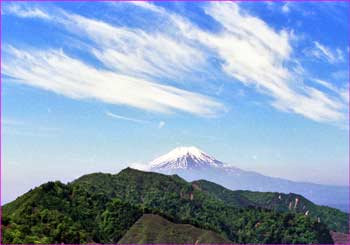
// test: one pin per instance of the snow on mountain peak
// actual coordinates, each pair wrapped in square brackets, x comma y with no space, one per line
[184,158]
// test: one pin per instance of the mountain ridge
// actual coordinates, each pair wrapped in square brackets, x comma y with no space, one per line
[280,202]
[101,208]
[183,161]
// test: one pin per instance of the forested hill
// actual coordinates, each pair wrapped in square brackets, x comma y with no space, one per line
[335,219]
[101,208]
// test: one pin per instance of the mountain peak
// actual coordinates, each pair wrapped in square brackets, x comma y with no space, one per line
[184,158]
[185,150]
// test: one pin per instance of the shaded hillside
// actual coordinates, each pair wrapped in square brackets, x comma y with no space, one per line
[340,238]
[91,209]
[154,229]
[336,220]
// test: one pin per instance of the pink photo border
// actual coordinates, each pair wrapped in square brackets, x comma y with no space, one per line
[1,1]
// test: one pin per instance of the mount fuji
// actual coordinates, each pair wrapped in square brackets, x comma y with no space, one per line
[184,158]
[193,164]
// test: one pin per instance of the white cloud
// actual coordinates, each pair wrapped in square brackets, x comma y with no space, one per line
[161,124]
[148,6]
[325,84]
[133,51]
[342,93]
[113,115]
[285,8]
[250,52]
[256,55]
[25,11]
[55,71]
[314,104]
[325,53]
[140,166]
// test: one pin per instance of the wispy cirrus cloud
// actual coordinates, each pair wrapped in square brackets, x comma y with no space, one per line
[342,93]
[249,50]
[259,56]
[324,53]
[55,71]
[130,119]
[136,60]
[326,84]
[25,11]
[285,8]
[133,51]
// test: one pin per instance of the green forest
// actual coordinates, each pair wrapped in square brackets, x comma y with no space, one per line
[101,208]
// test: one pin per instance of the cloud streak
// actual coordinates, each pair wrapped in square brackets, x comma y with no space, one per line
[249,50]
[25,11]
[324,53]
[113,115]
[136,52]
[260,57]
[55,71]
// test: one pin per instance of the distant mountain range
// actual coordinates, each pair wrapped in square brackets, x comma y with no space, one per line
[135,206]
[192,164]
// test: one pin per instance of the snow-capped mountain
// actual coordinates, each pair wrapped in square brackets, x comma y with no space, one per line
[184,158]
[193,164]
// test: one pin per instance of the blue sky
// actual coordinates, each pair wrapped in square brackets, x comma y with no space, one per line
[92,87]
